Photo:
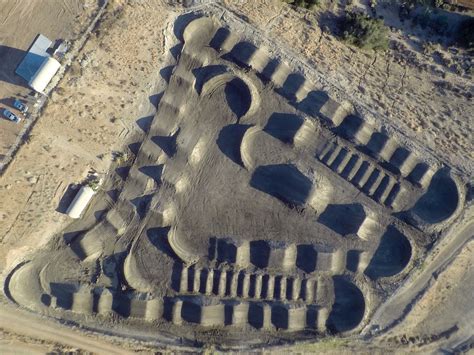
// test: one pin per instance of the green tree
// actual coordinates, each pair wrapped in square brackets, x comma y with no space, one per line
[307,4]
[365,32]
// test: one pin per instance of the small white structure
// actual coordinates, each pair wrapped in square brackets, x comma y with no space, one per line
[80,202]
[45,73]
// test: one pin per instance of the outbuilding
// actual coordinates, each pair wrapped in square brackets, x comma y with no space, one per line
[38,67]
[45,73]
[80,202]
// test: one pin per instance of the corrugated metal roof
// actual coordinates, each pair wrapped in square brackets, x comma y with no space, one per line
[34,58]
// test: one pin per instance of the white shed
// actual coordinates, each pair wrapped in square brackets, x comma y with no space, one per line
[45,73]
[80,202]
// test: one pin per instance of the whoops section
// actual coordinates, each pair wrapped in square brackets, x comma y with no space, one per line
[254,201]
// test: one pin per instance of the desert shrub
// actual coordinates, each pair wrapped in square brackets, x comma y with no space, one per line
[364,32]
[465,34]
[307,4]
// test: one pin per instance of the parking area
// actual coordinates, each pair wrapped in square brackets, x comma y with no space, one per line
[23,20]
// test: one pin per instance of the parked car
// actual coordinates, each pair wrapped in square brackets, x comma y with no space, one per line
[11,116]
[20,106]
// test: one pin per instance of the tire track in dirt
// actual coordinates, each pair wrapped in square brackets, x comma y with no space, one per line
[27,325]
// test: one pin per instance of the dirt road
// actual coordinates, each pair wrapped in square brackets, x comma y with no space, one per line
[24,324]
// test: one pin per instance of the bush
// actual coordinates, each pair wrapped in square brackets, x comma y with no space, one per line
[364,32]
[465,34]
[307,4]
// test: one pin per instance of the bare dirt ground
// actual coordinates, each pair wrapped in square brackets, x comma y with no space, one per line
[93,113]
[437,313]
[16,37]
[28,335]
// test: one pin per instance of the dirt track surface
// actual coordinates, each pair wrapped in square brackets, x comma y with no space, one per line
[216,151]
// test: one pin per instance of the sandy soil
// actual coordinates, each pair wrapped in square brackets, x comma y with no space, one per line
[29,335]
[21,22]
[445,309]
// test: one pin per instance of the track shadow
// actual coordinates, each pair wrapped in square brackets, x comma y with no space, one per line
[280,317]
[167,143]
[222,250]
[397,159]
[70,236]
[283,126]
[306,257]
[181,22]
[418,172]
[176,50]
[219,38]
[166,73]
[10,59]
[191,312]
[141,204]
[291,85]
[391,256]
[153,171]
[135,147]
[122,172]
[376,143]
[238,96]
[256,315]
[349,126]
[121,304]
[144,123]
[353,260]
[312,103]
[229,140]
[63,293]
[269,70]
[159,238]
[113,194]
[99,214]
[156,98]
[259,253]
[176,276]
[440,200]
[349,306]
[343,219]
[241,53]
[112,267]
[206,73]
[284,182]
